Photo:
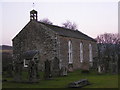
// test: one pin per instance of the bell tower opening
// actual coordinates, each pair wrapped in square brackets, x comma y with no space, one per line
[33,15]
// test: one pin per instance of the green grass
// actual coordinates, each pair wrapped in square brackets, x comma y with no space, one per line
[98,81]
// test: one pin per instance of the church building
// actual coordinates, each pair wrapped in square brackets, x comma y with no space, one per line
[40,41]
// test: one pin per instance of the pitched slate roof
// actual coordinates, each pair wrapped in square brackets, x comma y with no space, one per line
[68,32]
[29,54]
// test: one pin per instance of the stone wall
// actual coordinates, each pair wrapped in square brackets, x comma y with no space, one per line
[36,37]
[76,51]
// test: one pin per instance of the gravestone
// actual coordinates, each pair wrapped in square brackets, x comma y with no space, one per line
[47,74]
[18,71]
[85,67]
[32,71]
[79,84]
[99,69]
[36,68]
[56,69]
[63,71]
[70,67]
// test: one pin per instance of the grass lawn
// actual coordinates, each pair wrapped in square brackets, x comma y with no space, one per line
[98,81]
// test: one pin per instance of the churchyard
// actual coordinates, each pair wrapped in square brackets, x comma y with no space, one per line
[97,81]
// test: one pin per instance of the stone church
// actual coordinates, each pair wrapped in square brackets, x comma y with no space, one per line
[40,41]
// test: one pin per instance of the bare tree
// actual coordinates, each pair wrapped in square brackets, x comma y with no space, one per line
[108,38]
[108,51]
[46,20]
[70,25]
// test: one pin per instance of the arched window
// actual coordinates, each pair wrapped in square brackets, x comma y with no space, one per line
[90,53]
[81,52]
[70,52]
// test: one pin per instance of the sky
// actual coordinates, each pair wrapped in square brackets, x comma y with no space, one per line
[92,18]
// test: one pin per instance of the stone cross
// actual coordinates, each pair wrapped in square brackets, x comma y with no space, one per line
[63,71]
[56,69]
[47,74]
[32,71]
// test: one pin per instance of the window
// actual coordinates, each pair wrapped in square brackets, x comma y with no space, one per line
[60,64]
[25,63]
[90,53]
[70,52]
[81,52]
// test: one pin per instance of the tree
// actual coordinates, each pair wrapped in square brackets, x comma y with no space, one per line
[70,25]
[46,20]
[108,51]
[108,38]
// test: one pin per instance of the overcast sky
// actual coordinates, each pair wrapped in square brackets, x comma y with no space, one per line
[93,18]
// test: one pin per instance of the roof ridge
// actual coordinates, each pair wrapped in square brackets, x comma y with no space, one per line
[58,26]
[70,31]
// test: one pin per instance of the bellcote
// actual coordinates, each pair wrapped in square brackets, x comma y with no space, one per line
[33,15]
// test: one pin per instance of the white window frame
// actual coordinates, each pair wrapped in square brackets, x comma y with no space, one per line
[70,52]
[90,53]
[60,64]
[25,65]
[81,52]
